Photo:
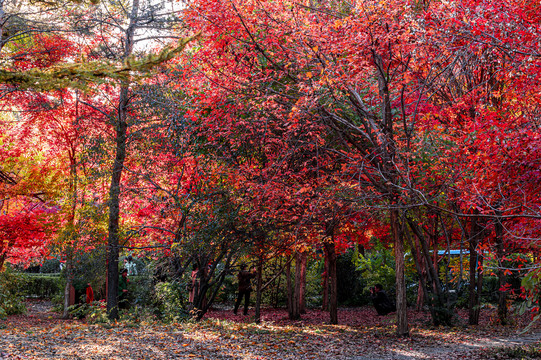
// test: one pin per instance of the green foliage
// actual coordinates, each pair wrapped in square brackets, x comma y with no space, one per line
[50,266]
[276,294]
[156,293]
[95,312]
[350,282]
[314,288]
[11,301]
[89,267]
[169,301]
[140,289]
[80,74]
[42,286]
[228,290]
[377,267]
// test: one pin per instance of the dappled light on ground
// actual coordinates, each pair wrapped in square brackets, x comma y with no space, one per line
[40,334]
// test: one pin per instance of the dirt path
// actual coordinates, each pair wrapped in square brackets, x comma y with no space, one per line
[41,334]
[468,349]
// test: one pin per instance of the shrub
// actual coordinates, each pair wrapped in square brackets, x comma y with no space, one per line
[50,266]
[377,267]
[96,312]
[11,301]
[43,286]
[349,280]
[168,298]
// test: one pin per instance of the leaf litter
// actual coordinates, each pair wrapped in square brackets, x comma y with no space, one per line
[360,335]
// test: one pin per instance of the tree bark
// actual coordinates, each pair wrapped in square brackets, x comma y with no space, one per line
[325,286]
[69,281]
[402,327]
[502,279]
[330,253]
[290,291]
[121,135]
[476,278]
[113,250]
[73,236]
[259,290]
[302,280]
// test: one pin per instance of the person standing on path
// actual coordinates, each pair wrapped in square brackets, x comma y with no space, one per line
[123,290]
[193,287]
[245,288]
[89,294]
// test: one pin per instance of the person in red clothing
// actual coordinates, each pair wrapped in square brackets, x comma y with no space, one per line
[89,294]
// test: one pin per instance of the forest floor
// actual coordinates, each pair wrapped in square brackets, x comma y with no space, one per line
[41,334]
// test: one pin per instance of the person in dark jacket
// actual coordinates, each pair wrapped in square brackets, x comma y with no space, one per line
[123,290]
[245,287]
[381,301]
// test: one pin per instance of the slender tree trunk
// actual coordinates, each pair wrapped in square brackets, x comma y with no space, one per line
[402,327]
[276,290]
[69,282]
[325,301]
[114,208]
[502,280]
[437,303]
[121,137]
[298,296]
[302,280]
[290,291]
[71,228]
[422,296]
[259,290]
[330,253]
[475,274]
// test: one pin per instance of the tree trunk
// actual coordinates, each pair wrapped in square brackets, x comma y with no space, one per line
[325,301]
[330,253]
[402,327]
[440,312]
[114,208]
[72,233]
[476,280]
[69,282]
[259,290]
[290,291]
[121,134]
[302,280]
[502,280]
[422,296]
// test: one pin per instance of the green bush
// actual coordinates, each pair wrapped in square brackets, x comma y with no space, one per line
[50,266]
[11,300]
[43,286]
[349,280]
[314,284]
[89,267]
[377,267]
[168,298]
[96,312]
